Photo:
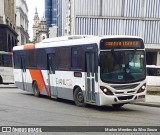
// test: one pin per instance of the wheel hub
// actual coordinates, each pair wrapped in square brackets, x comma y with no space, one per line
[80,97]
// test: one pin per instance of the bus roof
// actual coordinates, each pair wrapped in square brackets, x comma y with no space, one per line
[73,40]
[66,38]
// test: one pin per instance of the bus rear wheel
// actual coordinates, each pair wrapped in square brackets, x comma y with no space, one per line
[36,90]
[78,97]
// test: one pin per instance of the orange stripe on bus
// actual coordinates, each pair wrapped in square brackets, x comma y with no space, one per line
[10,53]
[29,46]
[37,76]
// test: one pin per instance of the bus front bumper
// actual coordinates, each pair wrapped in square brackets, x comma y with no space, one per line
[121,99]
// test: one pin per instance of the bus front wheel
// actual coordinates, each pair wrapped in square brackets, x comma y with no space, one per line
[78,97]
[1,80]
[36,90]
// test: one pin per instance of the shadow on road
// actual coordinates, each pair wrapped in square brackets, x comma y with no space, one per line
[97,108]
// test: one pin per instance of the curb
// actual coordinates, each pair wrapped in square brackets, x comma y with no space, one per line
[7,86]
[150,104]
[153,92]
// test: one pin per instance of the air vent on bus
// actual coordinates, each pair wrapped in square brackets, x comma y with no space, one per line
[65,38]
[125,97]
[123,87]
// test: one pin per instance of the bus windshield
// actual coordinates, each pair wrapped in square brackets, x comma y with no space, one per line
[122,66]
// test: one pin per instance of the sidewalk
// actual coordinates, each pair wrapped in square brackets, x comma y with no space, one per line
[8,86]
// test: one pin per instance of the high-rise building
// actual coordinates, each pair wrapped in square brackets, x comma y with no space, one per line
[22,22]
[51,12]
[117,17]
[62,15]
[8,35]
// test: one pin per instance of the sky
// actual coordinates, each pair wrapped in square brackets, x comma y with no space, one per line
[32,4]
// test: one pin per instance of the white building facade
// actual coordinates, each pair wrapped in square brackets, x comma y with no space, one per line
[52,31]
[117,17]
[22,22]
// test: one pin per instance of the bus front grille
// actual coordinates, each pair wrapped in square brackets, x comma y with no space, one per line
[125,97]
[123,87]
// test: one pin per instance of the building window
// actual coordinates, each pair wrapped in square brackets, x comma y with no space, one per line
[9,44]
[7,21]
[22,39]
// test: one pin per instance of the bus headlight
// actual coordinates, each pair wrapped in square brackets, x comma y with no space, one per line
[106,90]
[142,89]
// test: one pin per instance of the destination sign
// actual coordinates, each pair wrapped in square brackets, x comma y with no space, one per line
[121,43]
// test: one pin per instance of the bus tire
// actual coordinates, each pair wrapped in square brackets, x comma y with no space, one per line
[78,97]
[35,89]
[117,106]
[1,80]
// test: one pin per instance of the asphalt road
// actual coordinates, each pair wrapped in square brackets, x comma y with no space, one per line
[19,108]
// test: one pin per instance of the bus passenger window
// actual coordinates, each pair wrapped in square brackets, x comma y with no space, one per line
[63,56]
[150,71]
[76,58]
[158,72]
[153,72]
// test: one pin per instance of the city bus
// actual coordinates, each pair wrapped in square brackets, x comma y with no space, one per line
[6,69]
[97,70]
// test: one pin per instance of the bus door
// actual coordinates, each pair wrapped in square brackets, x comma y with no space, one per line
[51,74]
[91,78]
[24,74]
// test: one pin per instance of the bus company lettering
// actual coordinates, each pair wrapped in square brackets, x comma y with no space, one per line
[66,82]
